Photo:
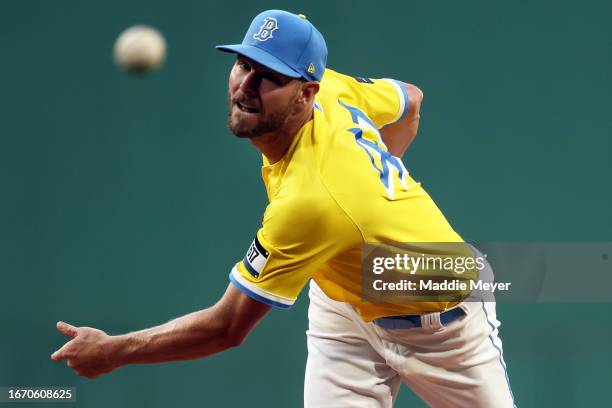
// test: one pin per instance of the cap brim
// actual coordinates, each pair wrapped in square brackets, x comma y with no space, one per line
[262,57]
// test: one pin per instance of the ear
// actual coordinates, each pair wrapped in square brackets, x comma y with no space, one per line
[308,92]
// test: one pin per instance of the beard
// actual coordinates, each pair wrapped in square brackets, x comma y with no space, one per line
[265,123]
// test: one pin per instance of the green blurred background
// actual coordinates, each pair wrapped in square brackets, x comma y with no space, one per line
[125,201]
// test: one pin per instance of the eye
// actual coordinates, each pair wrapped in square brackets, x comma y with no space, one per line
[272,78]
[244,65]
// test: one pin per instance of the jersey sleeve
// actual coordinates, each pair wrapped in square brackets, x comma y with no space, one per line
[385,101]
[296,238]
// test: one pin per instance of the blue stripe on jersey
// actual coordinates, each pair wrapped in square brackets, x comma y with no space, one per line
[386,158]
[257,297]
[406,99]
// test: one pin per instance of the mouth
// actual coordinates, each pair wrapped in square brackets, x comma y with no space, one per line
[247,108]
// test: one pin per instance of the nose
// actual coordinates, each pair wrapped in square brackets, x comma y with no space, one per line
[250,83]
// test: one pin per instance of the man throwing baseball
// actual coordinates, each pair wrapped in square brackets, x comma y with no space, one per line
[331,146]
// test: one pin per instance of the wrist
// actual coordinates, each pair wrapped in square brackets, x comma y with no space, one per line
[118,350]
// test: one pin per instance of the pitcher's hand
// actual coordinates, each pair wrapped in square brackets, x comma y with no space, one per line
[89,352]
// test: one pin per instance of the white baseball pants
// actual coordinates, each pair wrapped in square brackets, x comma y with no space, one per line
[356,364]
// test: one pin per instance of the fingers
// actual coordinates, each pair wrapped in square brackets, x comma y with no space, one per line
[66,329]
[57,356]
[84,371]
[60,354]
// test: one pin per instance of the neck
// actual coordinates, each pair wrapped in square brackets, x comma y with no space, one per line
[274,145]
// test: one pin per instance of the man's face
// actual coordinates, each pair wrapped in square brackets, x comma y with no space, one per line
[260,100]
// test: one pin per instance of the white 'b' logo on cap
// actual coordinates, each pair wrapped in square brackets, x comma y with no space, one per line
[265,31]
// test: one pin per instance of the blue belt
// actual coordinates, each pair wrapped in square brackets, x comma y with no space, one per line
[410,321]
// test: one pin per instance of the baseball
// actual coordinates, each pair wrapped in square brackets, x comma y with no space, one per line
[140,49]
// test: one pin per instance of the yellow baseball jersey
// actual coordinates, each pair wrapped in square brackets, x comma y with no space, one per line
[336,188]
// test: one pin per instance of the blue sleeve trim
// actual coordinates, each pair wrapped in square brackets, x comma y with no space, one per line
[257,297]
[402,94]
[406,99]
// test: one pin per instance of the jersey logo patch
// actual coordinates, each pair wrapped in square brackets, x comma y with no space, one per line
[255,258]
[267,28]
[364,80]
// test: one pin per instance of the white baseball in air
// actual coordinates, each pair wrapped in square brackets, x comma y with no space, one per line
[140,49]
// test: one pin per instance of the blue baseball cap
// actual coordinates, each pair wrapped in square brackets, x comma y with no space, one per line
[284,42]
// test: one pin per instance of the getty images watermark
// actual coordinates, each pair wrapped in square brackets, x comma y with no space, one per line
[441,272]
[458,271]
